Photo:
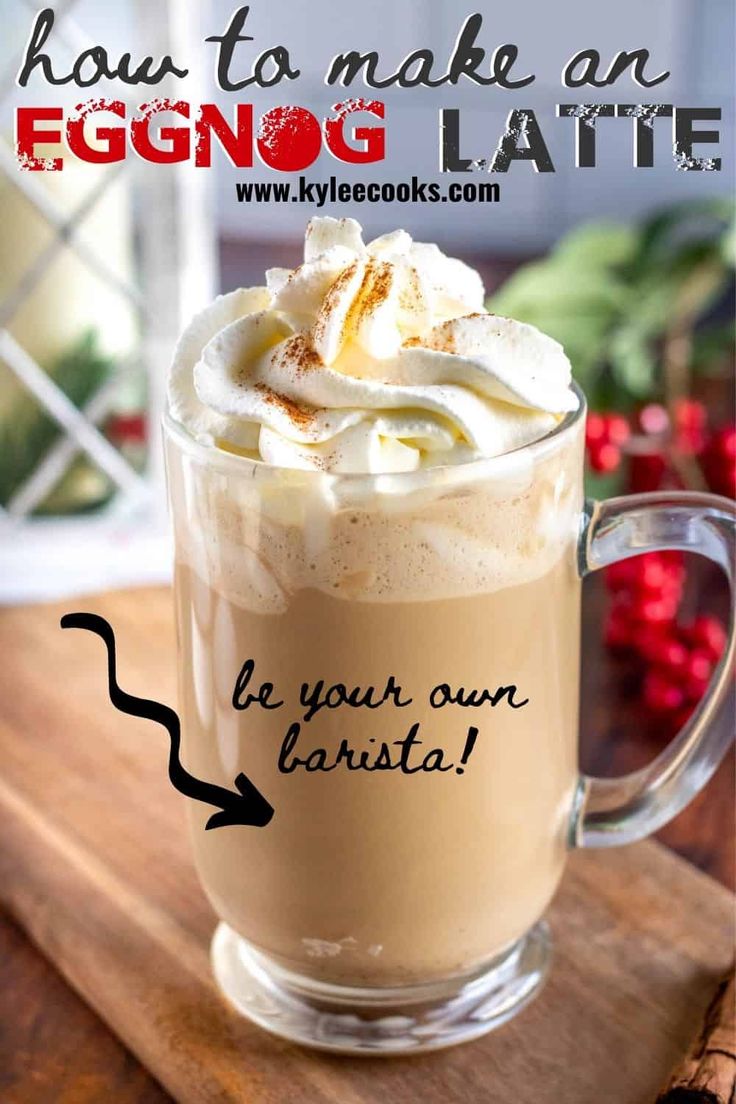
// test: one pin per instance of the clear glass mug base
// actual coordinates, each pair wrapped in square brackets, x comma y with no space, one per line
[404,1020]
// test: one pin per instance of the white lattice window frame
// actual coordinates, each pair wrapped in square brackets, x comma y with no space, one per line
[127,541]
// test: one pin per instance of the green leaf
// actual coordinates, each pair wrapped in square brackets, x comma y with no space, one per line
[633,364]
[546,288]
[705,220]
[610,293]
[728,245]
[598,245]
[601,487]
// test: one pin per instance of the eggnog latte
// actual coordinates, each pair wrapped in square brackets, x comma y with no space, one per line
[376,484]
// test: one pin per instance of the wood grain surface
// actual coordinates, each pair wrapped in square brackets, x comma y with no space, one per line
[53,1046]
[95,867]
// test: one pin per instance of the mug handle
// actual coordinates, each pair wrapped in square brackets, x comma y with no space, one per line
[609,812]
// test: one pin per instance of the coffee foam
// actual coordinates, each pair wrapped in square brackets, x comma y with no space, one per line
[259,540]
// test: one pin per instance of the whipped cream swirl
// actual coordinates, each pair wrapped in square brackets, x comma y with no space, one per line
[366,358]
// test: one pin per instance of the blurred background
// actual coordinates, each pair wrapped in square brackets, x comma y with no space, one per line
[100,265]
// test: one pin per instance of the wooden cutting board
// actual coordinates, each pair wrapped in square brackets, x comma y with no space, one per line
[94,863]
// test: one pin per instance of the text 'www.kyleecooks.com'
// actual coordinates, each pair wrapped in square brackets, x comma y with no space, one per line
[318,193]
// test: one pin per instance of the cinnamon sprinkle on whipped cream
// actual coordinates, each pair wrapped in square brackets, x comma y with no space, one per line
[366,358]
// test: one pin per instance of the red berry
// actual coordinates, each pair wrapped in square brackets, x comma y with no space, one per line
[617,429]
[708,634]
[676,569]
[621,575]
[690,414]
[657,610]
[127,427]
[691,442]
[604,457]
[697,674]
[726,439]
[670,654]
[649,641]
[654,573]
[595,428]
[654,419]
[671,594]
[673,581]
[660,693]
[699,665]
[656,581]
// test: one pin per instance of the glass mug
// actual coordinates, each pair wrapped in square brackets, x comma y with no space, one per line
[394,901]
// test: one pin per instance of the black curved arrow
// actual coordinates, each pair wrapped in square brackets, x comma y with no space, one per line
[247,806]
